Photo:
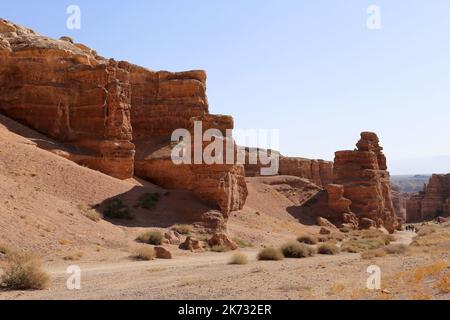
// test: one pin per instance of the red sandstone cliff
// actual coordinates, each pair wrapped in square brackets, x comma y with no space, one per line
[106,111]
[363,174]
[432,202]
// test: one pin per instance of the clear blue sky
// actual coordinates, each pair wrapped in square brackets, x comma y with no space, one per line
[310,68]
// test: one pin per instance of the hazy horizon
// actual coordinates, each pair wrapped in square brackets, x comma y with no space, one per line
[309,68]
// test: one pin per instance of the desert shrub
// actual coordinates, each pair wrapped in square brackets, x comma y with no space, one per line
[239,258]
[307,239]
[396,249]
[148,200]
[116,209]
[375,253]
[361,245]
[24,272]
[219,248]
[270,254]
[345,229]
[297,250]
[151,237]
[444,283]
[93,215]
[426,230]
[242,243]
[184,229]
[143,252]
[328,248]
[376,234]
[74,256]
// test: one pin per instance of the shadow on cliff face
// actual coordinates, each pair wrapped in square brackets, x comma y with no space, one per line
[153,207]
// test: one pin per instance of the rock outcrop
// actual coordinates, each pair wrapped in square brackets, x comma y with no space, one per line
[364,177]
[432,202]
[116,117]
[69,93]
[319,172]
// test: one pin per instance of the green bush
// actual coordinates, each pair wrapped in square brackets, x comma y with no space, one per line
[297,250]
[151,237]
[149,200]
[116,209]
[270,254]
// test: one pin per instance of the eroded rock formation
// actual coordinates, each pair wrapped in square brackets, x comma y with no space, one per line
[319,172]
[69,93]
[106,111]
[363,174]
[434,201]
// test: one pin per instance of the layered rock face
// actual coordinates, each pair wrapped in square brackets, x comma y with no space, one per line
[319,172]
[432,202]
[399,200]
[365,180]
[69,93]
[107,111]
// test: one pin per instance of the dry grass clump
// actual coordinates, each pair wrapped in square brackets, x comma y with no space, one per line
[184,229]
[426,230]
[297,250]
[444,283]
[239,258]
[143,252]
[75,256]
[375,253]
[365,240]
[242,243]
[426,271]
[24,271]
[151,237]
[396,249]
[307,239]
[270,254]
[90,213]
[328,248]
[219,248]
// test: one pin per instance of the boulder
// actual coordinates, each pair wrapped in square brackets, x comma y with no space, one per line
[191,244]
[223,241]
[366,223]
[173,237]
[162,253]
[324,231]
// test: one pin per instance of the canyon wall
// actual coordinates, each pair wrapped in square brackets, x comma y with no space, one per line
[319,172]
[433,201]
[69,93]
[114,117]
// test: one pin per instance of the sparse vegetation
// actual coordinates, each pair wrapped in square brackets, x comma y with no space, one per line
[426,230]
[270,254]
[328,248]
[375,253]
[24,272]
[297,250]
[148,200]
[74,256]
[184,229]
[143,252]
[307,239]
[365,240]
[219,248]
[116,209]
[444,283]
[91,213]
[239,258]
[242,243]
[396,249]
[151,237]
